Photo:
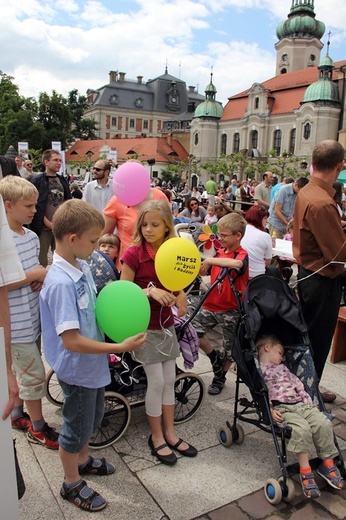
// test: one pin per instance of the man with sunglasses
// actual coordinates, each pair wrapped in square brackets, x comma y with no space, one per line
[29,173]
[99,191]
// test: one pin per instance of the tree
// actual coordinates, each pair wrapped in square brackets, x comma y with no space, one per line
[81,128]
[172,172]
[18,117]
[287,165]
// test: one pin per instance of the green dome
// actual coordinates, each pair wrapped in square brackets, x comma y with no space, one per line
[326,63]
[322,91]
[209,109]
[301,22]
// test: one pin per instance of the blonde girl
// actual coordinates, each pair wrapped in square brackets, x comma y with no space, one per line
[160,350]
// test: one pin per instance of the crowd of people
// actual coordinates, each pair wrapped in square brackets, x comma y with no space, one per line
[85,229]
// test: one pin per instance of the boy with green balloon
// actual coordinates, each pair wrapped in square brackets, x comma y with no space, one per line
[74,347]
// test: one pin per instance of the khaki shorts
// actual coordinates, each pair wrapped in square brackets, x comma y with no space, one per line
[29,370]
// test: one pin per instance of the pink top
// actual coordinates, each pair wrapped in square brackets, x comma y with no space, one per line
[283,386]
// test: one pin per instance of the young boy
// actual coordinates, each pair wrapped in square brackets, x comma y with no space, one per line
[20,197]
[220,307]
[75,348]
[292,404]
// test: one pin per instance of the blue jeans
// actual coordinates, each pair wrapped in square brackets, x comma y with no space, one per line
[82,412]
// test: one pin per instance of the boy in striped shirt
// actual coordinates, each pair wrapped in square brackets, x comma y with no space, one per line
[20,197]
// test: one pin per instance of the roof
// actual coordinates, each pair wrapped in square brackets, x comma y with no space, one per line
[287,91]
[162,149]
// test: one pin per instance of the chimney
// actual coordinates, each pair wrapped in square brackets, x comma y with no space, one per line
[191,88]
[139,79]
[122,76]
[113,76]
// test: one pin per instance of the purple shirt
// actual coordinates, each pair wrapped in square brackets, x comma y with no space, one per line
[283,386]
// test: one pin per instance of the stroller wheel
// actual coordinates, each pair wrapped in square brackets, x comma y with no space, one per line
[291,491]
[115,421]
[53,389]
[273,491]
[189,394]
[238,435]
[226,436]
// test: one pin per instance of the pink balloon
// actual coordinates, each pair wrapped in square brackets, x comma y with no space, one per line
[311,170]
[131,183]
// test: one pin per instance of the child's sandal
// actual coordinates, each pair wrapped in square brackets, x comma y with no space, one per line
[83,497]
[336,480]
[309,486]
[102,467]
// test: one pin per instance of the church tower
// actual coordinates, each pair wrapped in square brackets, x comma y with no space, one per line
[299,44]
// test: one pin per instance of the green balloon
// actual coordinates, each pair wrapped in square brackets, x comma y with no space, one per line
[122,310]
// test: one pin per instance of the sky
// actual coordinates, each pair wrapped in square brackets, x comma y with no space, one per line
[62,45]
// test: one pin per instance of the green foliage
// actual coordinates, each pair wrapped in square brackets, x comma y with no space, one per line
[173,172]
[51,118]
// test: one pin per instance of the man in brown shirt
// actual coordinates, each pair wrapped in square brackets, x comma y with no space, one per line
[320,249]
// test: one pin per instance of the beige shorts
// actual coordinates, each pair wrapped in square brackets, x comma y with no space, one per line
[28,367]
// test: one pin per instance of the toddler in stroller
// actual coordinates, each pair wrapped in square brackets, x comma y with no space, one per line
[270,307]
[290,403]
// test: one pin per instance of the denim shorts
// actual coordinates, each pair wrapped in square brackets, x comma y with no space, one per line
[82,413]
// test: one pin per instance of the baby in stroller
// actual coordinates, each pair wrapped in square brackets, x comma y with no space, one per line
[290,403]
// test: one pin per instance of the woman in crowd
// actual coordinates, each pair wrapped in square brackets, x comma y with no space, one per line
[193,211]
[257,241]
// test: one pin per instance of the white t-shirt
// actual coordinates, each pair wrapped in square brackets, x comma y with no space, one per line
[258,244]
[11,269]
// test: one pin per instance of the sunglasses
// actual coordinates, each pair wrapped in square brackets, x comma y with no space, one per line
[193,204]
[98,169]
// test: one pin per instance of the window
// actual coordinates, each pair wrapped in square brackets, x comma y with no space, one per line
[292,141]
[114,121]
[256,103]
[254,139]
[132,123]
[277,141]
[223,143]
[145,124]
[196,138]
[307,131]
[236,142]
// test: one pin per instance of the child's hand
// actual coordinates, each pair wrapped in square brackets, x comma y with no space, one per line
[165,298]
[205,265]
[276,416]
[133,342]
[36,286]
[181,304]
[38,274]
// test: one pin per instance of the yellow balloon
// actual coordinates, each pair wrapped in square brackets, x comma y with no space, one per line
[177,263]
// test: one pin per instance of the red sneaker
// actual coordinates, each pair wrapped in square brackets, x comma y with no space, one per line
[48,437]
[21,423]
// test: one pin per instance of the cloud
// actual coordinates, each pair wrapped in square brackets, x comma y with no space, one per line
[67,44]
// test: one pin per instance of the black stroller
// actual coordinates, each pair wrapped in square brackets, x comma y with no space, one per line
[270,307]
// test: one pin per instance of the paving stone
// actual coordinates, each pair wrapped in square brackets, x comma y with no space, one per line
[257,506]
[339,414]
[227,512]
[311,512]
[335,503]
[340,431]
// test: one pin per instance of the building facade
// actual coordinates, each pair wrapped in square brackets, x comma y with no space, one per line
[301,105]
[125,108]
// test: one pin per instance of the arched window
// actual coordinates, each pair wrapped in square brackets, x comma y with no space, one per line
[236,142]
[223,144]
[277,141]
[253,139]
[256,102]
[307,131]
[292,141]
[196,138]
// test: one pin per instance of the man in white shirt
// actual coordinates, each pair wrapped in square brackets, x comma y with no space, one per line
[100,190]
